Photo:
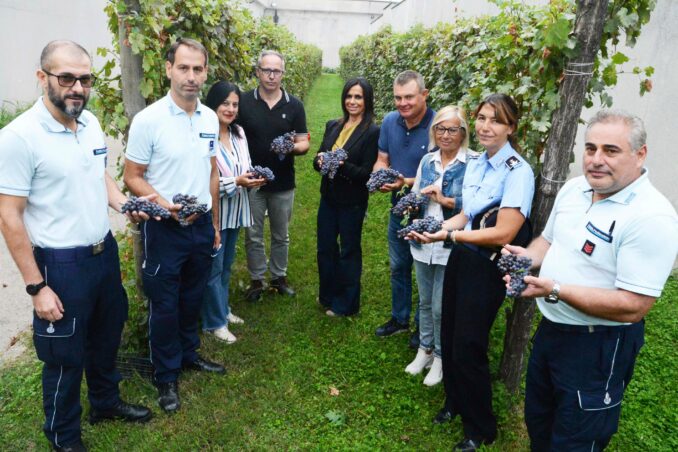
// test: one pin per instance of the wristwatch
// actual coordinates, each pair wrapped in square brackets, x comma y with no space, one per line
[33,289]
[555,292]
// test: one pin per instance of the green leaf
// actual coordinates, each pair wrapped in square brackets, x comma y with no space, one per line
[556,35]
[619,58]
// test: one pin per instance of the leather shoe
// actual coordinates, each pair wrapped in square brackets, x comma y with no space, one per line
[280,284]
[202,365]
[469,445]
[75,447]
[254,291]
[168,396]
[123,411]
[444,415]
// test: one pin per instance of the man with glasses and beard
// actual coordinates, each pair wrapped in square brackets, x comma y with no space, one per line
[171,150]
[267,112]
[54,193]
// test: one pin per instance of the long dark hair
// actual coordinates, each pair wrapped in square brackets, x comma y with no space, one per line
[216,96]
[506,112]
[368,97]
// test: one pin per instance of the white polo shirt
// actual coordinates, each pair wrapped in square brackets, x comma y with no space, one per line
[176,147]
[627,241]
[62,175]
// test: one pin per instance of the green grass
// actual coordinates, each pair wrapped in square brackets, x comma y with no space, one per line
[289,356]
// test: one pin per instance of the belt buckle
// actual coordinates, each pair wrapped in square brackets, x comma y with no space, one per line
[97,248]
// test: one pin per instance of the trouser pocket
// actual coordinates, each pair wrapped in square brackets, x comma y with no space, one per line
[57,343]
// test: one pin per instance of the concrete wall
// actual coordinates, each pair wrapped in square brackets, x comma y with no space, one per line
[27,25]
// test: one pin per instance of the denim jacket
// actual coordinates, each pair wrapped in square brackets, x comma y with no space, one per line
[452,184]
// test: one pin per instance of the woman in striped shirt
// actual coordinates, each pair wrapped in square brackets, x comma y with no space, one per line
[233,161]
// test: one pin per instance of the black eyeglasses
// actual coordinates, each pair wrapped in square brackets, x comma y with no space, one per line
[440,130]
[68,80]
[273,72]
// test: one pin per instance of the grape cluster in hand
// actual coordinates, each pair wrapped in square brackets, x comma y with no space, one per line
[262,172]
[411,202]
[283,145]
[331,161]
[381,177]
[189,205]
[517,268]
[151,209]
[428,224]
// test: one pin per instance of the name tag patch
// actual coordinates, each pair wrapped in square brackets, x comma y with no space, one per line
[588,247]
[100,151]
[208,135]
[598,233]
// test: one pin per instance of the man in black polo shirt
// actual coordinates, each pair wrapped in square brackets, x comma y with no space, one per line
[268,112]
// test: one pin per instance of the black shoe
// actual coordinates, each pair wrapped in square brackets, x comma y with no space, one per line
[444,415]
[75,447]
[123,411]
[469,445]
[280,284]
[254,291]
[414,339]
[391,327]
[202,365]
[168,396]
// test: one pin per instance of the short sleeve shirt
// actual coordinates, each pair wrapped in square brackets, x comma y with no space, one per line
[62,175]
[405,147]
[175,147]
[262,125]
[504,180]
[627,241]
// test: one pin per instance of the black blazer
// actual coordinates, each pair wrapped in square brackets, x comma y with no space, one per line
[348,186]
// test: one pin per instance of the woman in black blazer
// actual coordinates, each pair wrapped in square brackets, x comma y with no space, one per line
[343,199]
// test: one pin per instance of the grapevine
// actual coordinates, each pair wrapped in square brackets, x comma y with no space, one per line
[283,145]
[189,206]
[428,224]
[331,162]
[262,172]
[381,177]
[152,209]
[410,203]
[517,268]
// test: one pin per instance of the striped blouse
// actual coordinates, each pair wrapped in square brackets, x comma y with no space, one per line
[234,203]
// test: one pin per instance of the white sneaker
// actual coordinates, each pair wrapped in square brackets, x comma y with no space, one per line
[421,361]
[224,335]
[435,375]
[232,318]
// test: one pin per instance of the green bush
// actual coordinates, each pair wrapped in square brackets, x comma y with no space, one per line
[522,51]
[8,115]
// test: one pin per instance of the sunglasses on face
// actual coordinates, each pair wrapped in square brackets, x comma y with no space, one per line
[68,80]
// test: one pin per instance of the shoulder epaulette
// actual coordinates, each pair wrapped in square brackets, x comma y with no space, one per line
[512,162]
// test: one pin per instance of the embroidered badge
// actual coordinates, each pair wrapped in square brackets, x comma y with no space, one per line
[208,135]
[588,247]
[50,328]
[512,162]
[211,145]
[99,151]
[599,233]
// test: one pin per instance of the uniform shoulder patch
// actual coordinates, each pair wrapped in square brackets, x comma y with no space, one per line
[472,155]
[512,162]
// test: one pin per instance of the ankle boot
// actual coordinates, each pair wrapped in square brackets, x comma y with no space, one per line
[435,375]
[421,361]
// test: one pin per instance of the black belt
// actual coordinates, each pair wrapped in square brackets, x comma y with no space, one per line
[583,328]
[75,253]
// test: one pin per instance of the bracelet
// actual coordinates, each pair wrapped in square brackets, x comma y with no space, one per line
[450,237]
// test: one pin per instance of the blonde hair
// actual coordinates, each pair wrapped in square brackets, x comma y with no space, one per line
[445,114]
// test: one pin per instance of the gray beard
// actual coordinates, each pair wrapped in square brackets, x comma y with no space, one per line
[59,102]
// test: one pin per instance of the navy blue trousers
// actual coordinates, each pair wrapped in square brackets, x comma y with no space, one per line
[473,291]
[87,337]
[177,263]
[576,378]
[340,258]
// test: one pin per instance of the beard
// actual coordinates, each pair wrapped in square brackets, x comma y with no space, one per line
[73,111]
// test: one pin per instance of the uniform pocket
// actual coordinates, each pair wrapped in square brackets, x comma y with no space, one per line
[150,268]
[58,343]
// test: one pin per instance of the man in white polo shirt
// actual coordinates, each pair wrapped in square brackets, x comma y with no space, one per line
[171,150]
[54,198]
[605,254]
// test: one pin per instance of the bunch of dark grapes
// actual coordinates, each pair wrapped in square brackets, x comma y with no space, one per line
[410,203]
[283,145]
[381,177]
[517,267]
[428,224]
[189,205]
[262,172]
[331,161]
[151,209]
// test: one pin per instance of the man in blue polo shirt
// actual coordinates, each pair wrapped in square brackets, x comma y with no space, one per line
[171,150]
[605,254]
[403,141]
[54,198]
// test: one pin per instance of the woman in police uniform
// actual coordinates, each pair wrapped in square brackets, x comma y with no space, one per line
[473,288]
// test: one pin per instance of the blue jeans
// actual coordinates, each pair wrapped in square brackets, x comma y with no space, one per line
[215,307]
[401,273]
[430,279]
[340,264]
